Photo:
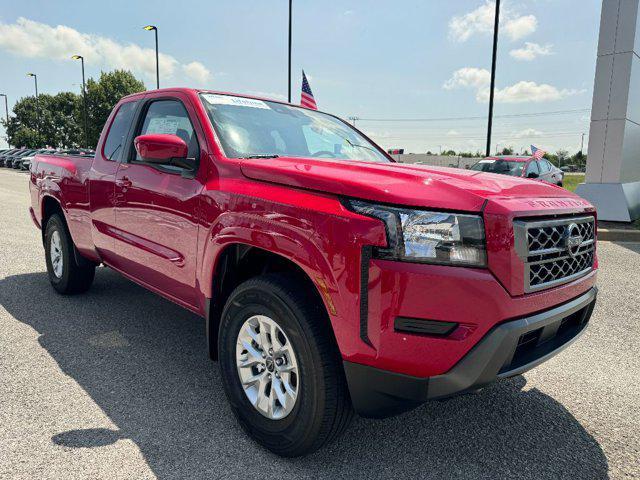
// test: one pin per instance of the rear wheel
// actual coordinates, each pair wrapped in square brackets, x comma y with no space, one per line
[281,369]
[67,272]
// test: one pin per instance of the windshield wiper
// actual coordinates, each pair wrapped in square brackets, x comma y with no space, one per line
[268,155]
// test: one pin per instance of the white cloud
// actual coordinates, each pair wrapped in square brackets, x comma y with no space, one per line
[520,27]
[453,133]
[523,92]
[481,21]
[27,38]
[531,51]
[468,77]
[197,72]
[527,132]
[478,79]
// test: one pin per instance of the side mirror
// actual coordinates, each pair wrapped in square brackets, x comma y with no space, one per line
[532,175]
[162,148]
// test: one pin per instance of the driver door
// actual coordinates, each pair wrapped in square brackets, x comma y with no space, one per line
[156,205]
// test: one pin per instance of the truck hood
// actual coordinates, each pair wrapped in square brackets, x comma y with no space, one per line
[411,185]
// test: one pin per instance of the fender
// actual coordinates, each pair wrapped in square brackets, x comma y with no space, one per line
[278,237]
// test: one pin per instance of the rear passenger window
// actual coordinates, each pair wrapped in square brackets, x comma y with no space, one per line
[114,143]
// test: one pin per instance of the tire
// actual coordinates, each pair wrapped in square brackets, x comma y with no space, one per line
[67,275]
[322,409]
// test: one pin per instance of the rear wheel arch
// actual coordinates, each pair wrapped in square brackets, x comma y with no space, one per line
[49,207]
[52,206]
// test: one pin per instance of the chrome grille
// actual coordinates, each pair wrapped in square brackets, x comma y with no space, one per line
[554,251]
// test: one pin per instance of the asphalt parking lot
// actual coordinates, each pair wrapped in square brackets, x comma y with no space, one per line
[115,383]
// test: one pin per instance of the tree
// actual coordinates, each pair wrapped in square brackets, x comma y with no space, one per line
[49,120]
[507,151]
[579,159]
[102,96]
[24,137]
[58,120]
[561,157]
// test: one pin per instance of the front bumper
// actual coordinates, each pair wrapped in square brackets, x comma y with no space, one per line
[508,349]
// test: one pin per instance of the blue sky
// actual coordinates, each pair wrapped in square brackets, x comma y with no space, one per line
[402,59]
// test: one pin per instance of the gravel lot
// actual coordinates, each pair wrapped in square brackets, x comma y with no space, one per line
[116,384]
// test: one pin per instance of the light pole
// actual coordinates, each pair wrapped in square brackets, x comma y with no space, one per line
[290,21]
[6,109]
[84,100]
[155,30]
[35,79]
[493,75]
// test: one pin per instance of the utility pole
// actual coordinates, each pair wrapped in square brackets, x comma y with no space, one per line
[6,108]
[582,146]
[353,120]
[290,34]
[493,75]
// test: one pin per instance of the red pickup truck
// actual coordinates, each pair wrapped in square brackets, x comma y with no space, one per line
[332,279]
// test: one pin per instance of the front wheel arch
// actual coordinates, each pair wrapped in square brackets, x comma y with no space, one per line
[238,263]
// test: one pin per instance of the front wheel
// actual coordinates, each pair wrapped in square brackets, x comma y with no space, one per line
[66,274]
[281,369]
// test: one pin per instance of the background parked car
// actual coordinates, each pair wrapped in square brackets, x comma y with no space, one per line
[526,167]
[25,162]
[6,154]
[8,160]
[78,151]
[16,160]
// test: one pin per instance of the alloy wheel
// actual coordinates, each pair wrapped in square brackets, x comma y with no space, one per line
[267,367]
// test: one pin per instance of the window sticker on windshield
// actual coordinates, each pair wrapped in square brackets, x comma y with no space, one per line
[163,125]
[215,99]
[487,161]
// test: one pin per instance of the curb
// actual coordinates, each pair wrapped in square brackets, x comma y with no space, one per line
[618,235]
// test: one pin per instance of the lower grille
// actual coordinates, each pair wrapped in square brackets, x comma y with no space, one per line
[539,342]
[555,251]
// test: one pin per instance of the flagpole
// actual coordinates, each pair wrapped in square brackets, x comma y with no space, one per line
[289,84]
[493,76]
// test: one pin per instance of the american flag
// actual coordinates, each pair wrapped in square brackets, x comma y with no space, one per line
[537,153]
[306,98]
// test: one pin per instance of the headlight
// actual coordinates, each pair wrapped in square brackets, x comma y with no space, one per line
[428,237]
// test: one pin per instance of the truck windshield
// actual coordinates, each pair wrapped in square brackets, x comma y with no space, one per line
[505,167]
[250,128]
